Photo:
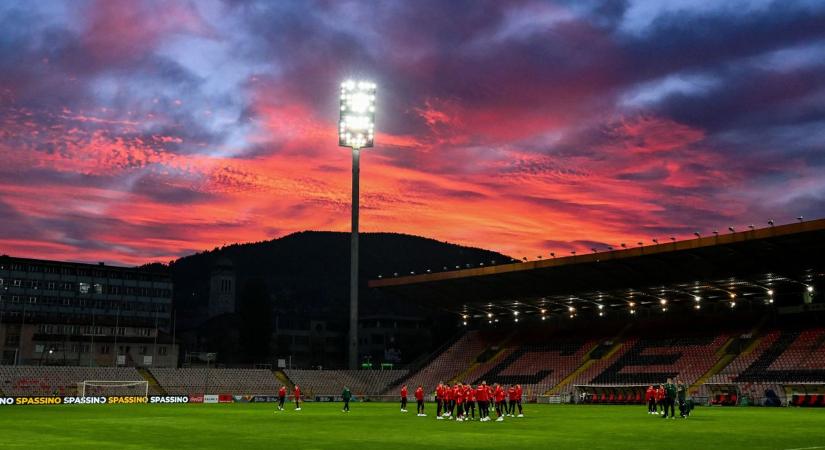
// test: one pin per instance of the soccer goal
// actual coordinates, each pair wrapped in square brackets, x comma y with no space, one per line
[104,388]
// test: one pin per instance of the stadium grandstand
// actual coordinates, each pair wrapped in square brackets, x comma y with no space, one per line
[737,317]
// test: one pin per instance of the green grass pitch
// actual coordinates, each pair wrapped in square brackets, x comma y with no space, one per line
[382,426]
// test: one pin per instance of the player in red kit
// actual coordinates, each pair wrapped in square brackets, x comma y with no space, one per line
[439,400]
[519,392]
[281,397]
[483,399]
[469,402]
[660,398]
[498,394]
[650,394]
[458,395]
[419,399]
[511,401]
[450,399]
[404,398]
[297,393]
[447,390]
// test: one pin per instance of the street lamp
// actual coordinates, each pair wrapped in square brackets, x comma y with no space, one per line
[356,130]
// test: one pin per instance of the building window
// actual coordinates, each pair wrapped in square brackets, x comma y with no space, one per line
[17,283]
[51,285]
[162,351]
[83,288]
[104,349]
[142,349]
[32,299]
[98,288]
[226,286]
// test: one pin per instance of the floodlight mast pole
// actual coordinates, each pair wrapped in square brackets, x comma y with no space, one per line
[353,283]
[356,131]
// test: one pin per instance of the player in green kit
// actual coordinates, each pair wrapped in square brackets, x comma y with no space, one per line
[681,391]
[347,396]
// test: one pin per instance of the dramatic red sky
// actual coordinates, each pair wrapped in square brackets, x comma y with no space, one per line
[139,131]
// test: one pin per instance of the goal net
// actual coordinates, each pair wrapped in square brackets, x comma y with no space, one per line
[105,388]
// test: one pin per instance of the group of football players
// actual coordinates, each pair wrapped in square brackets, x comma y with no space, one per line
[459,401]
[663,398]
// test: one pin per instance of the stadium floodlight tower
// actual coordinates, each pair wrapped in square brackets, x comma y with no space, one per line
[356,130]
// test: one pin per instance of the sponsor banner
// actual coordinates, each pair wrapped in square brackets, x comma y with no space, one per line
[169,399]
[210,398]
[224,398]
[265,399]
[196,398]
[54,400]
[242,398]
[126,399]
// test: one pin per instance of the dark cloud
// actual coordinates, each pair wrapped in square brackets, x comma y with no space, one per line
[155,124]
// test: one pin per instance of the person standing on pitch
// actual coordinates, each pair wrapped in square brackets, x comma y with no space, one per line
[660,398]
[347,396]
[419,399]
[439,400]
[498,394]
[404,398]
[297,393]
[448,401]
[482,398]
[670,399]
[458,395]
[519,392]
[470,402]
[281,397]
[511,401]
[681,390]
[650,394]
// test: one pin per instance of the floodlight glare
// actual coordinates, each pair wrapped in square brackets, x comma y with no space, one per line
[356,126]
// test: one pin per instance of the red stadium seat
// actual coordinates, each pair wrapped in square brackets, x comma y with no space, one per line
[812,399]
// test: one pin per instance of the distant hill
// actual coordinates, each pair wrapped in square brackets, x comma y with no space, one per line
[306,276]
[311,268]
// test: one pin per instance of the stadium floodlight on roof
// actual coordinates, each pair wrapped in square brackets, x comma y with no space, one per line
[356,126]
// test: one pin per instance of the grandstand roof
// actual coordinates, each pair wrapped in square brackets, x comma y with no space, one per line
[732,267]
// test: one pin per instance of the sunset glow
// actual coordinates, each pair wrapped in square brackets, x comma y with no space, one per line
[140,131]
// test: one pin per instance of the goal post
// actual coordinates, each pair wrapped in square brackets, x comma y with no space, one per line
[97,387]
